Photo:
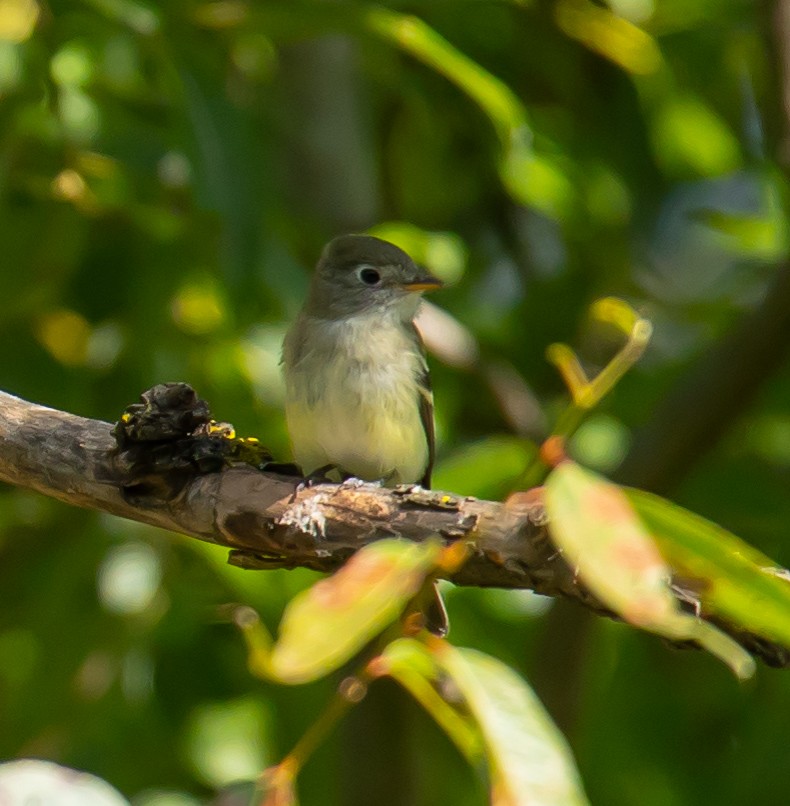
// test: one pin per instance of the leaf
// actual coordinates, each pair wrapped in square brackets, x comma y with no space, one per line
[533,179]
[690,137]
[762,235]
[531,764]
[595,526]
[502,106]
[325,625]
[412,664]
[742,584]
[611,35]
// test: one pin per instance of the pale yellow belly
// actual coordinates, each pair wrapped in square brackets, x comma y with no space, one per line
[352,398]
[370,442]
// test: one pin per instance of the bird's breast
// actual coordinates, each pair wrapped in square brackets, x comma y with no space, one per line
[352,399]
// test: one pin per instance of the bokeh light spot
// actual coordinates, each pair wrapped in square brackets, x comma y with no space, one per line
[79,113]
[129,578]
[443,253]
[226,741]
[69,186]
[64,334]
[18,18]
[104,346]
[72,65]
[197,307]
[600,443]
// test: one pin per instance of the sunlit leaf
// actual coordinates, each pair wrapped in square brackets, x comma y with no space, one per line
[413,665]
[493,96]
[325,625]
[532,179]
[763,235]
[741,583]
[616,312]
[610,35]
[689,136]
[600,535]
[529,759]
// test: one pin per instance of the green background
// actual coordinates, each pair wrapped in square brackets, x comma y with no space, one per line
[168,175]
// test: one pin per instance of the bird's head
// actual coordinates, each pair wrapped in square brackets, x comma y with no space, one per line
[359,273]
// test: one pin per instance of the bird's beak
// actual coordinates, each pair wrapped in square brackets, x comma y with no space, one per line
[425,283]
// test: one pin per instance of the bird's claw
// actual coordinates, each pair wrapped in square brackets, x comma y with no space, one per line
[317,476]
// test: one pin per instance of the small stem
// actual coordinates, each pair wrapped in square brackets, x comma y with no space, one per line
[569,367]
[586,394]
[320,729]
[608,377]
[351,690]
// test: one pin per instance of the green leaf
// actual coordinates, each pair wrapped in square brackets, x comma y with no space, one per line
[741,584]
[764,235]
[413,665]
[689,136]
[529,758]
[325,625]
[492,95]
[595,526]
[531,178]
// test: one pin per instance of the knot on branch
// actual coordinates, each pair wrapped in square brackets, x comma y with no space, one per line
[166,412]
[168,438]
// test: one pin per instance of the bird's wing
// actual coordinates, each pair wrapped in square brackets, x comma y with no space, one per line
[425,400]
[435,613]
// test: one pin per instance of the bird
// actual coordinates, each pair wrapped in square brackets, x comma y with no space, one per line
[357,387]
[358,398]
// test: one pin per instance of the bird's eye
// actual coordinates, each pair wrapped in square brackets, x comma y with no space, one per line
[369,276]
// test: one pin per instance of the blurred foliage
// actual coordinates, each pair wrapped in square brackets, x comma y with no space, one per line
[168,174]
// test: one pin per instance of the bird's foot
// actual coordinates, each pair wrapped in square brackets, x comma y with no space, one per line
[317,476]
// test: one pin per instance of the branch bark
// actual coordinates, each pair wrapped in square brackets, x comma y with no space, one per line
[268,520]
[265,518]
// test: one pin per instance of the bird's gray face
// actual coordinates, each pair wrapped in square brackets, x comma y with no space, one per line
[360,273]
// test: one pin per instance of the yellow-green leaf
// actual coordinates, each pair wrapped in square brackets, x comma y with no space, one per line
[529,759]
[600,535]
[689,136]
[741,583]
[325,625]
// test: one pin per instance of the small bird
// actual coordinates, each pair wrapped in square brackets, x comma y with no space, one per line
[357,390]
[358,395]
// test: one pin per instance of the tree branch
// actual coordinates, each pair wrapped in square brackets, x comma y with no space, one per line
[268,520]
